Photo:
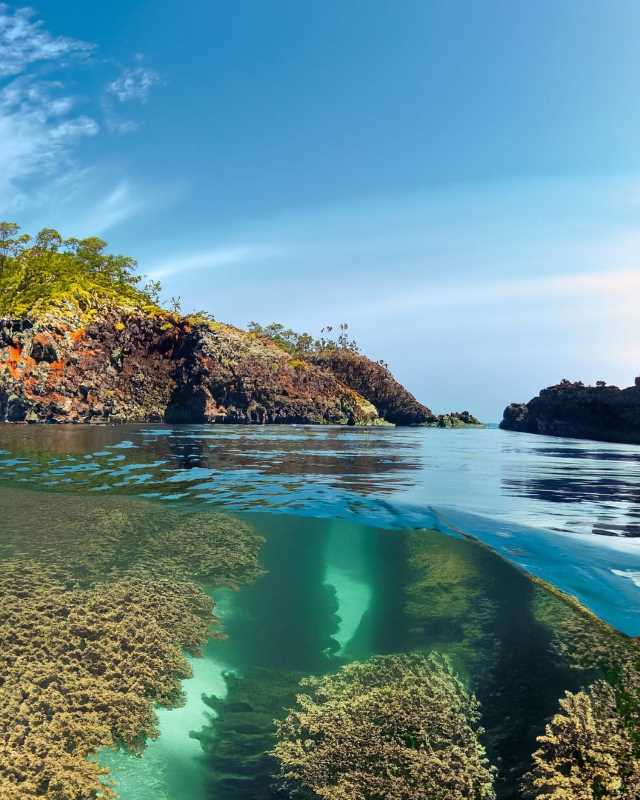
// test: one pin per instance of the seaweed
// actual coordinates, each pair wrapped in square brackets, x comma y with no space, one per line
[586,752]
[390,728]
[93,635]
[448,601]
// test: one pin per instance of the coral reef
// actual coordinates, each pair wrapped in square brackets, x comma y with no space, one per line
[91,539]
[393,727]
[82,669]
[578,637]
[600,412]
[93,628]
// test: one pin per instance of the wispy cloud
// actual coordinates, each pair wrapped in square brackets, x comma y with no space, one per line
[43,119]
[39,121]
[134,83]
[38,126]
[207,260]
[24,41]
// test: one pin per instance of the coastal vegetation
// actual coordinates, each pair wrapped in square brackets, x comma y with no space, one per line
[48,272]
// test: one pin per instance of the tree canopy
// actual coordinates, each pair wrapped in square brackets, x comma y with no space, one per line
[46,271]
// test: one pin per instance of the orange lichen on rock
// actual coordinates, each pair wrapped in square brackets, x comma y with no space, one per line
[14,359]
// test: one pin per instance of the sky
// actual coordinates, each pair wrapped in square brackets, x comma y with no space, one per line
[459,181]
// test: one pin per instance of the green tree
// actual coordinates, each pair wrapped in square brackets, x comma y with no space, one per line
[11,242]
[51,271]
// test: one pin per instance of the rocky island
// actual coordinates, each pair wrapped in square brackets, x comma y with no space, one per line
[82,342]
[601,412]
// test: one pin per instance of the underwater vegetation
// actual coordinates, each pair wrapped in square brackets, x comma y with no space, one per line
[393,727]
[93,634]
[519,644]
[448,601]
[590,749]
[587,752]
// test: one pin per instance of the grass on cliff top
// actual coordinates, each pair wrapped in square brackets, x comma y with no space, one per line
[48,273]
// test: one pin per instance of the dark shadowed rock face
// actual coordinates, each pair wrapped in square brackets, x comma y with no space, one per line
[223,374]
[374,382]
[140,368]
[605,413]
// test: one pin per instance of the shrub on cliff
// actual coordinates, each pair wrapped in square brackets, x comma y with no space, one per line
[393,727]
[303,344]
[47,271]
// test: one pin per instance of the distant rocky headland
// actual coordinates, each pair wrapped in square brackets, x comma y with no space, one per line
[82,342]
[600,412]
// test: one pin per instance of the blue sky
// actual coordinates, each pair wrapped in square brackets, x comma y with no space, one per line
[457,180]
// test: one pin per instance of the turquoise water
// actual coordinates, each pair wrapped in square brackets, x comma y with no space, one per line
[371,542]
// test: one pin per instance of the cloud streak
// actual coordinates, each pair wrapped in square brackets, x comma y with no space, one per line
[209,259]
[43,121]
[134,83]
[39,121]
[24,41]
[37,127]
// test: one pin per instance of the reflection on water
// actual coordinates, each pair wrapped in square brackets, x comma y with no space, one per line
[567,485]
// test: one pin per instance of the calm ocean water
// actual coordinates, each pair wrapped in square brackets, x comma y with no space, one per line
[373,541]
[563,509]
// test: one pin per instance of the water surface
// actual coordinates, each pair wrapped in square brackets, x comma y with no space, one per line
[321,546]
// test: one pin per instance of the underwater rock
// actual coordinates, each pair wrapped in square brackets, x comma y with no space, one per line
[579,638]
[398,727]
[241,734]
[448,601]
[601,412]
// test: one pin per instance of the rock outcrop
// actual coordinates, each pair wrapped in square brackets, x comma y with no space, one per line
[601,412]
[138,367]
[375,382]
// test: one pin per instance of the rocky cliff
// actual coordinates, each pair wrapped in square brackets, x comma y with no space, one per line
[82,340]
[601,412]
[139,367]
[375,382]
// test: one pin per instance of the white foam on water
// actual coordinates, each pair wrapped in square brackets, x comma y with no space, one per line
[632,574]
